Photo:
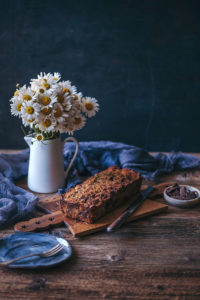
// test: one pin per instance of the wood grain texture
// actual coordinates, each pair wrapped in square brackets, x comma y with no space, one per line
[55,217]
[154,258]
[148,208]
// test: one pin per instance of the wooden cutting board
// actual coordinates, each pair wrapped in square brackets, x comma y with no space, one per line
[55,217]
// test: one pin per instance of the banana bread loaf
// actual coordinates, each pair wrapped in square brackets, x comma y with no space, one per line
[100,194]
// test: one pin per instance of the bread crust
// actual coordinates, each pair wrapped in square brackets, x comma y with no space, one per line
[100,194]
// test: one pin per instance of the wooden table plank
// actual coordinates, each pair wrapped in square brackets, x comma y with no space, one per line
[154,258]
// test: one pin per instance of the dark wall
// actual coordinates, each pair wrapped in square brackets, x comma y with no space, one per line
[140,59]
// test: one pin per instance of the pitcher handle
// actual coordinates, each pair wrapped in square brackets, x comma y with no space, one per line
[75,153]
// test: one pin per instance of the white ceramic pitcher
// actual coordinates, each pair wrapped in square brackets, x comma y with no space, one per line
[46,166]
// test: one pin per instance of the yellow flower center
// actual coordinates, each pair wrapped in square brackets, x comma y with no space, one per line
[58,112]
[60,98]
[46,111]
[66,90]
[39,138]
[19,106]
[46,100]
[27,97]
[47,123]
[30,121]
[75,97]
[46,86]
[41,91]
[16,93]
[77,121]
[55,78]
[30,110]
[89,106]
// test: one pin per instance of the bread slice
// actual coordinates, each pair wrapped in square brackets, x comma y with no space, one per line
[100,194]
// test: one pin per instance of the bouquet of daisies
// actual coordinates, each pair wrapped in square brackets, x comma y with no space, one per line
[50,106]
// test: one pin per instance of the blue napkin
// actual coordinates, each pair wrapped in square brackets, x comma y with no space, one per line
[96,156]
[17,204]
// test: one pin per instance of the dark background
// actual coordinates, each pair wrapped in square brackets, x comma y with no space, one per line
[140,59]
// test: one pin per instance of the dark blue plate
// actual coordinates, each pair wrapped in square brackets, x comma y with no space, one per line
[23,243]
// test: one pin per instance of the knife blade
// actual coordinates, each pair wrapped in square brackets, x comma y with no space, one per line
[130,209]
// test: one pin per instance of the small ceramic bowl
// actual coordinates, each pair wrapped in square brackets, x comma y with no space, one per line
[182,203]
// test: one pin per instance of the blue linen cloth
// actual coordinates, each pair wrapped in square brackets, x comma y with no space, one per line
[17,204]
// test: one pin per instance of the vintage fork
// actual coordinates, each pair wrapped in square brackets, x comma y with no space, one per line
[48,253]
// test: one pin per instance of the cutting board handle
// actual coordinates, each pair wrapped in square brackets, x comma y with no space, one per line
[55,217]
[40,223]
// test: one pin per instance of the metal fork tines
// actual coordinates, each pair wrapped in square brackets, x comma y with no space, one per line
[48,253]
[52,251]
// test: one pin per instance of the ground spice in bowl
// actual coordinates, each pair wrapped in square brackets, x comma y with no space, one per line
[181,192]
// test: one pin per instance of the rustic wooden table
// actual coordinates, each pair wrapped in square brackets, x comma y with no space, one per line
[154,258]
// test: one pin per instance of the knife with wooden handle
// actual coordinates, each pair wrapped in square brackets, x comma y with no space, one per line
[132,207]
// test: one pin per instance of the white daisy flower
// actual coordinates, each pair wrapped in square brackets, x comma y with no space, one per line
[56,76]
[39,137]
[30,110]
[16,106]
[36,85]
[66,127]
[28,122]
[47,125]
[45,111]
[25,93]
[78,122]
[73,111]
[77,97]
[89,106]
[58,112]
[64,99]
[52,106]
[47,100]
[76,102]
[67,88]
[67,103]
[45,83]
